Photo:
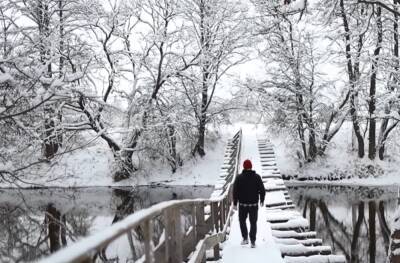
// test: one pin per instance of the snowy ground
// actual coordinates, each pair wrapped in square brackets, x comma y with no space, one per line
[266,249]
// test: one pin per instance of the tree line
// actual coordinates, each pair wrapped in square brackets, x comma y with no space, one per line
[142,76]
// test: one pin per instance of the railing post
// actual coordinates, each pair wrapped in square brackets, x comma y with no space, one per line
[194,224]
[214,214]
[173,235]
[86,259]
[201,227]
[222,214]
[148,235]
[131,245]
[216,252]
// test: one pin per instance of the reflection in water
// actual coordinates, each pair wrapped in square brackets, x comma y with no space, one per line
[35,223]
[353,220]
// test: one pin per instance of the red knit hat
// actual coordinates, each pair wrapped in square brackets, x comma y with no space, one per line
[247,165]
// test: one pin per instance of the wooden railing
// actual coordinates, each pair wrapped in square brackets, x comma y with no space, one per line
[208,219]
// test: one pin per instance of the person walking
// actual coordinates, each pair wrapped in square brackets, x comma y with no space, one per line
[248,189]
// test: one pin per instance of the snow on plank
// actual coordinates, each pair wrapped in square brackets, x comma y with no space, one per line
[293,234]
[288,204]
[271,176]
[267,160]
[282,207]
[269,168]
[269,188]
[279,215]
[301,250]
[316,259]
[272,198]
[305,242]
[298,223]
[276,181]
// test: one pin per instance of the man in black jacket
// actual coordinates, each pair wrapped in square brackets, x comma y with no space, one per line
[247,189]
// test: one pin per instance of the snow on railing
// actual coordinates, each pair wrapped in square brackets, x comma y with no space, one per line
[209,221]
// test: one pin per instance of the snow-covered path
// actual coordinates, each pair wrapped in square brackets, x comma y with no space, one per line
[266,249]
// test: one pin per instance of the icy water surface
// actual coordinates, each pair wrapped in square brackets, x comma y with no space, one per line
[355,221]
[37,221]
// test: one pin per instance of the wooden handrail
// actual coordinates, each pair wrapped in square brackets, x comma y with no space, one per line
[211,217]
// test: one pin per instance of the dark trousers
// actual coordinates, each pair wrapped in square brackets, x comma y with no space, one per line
[252,211]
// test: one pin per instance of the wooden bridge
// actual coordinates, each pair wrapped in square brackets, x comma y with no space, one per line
[192,230]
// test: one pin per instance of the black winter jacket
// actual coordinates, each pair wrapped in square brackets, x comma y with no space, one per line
[247,187]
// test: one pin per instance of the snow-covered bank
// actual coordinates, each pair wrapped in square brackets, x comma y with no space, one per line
[386,180]
[340,161]
[93,166]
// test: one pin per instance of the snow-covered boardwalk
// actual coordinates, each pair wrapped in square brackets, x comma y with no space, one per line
[266,247]
[282,234]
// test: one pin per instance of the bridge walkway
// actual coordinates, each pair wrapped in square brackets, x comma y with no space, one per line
[283,234]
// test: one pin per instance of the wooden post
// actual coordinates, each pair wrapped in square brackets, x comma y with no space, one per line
[173,235]
[86,259]
[216,252]
[222,215]
[201,227]
[214,214]
[148,235]
[229,202]
[194,224]
[394,244]
[131,245]
[204,259]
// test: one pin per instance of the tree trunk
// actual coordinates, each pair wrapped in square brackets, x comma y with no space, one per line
[393,81]
[372,90]
[352,79]
[174,159]
[201,136]
[50,139]
[205,46]
[312,150]
[300,130]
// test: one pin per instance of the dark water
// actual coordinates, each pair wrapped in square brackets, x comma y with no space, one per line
[355,221]
[33,223]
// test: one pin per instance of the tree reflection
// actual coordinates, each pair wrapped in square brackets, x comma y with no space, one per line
[23,237]
[28,234]
[343,222]
[356,233]
[35,223]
